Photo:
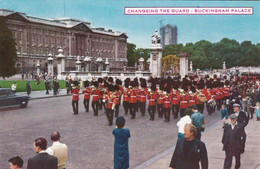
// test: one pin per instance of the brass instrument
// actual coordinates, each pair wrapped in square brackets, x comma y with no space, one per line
[201,96]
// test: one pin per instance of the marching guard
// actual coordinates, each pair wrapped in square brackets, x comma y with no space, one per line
[160,104]
[175,103]
[167,107]
[75,97]
[87,93]
[111,103]
[126,96]
[142,99]
[152,102]
[95,98]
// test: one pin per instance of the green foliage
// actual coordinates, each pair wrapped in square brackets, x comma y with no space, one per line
[207,55]
[131,50]
[7,50]
[133,54]
[21,85]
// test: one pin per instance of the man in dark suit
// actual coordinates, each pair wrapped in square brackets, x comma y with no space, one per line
[234,138]
[42,160]
[242,117]
[189,151]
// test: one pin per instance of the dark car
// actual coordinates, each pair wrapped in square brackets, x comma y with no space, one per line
[9,99]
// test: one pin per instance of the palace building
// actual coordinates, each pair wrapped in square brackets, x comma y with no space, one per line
[38,38]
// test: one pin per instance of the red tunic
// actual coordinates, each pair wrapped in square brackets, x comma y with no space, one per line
[95,94]
[160,100]
[167,102]
[184,104]
[87,93]
[75,94]
[126,97]
[192,101]
[132,97]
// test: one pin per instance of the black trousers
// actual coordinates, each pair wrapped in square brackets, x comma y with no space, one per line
[210,109]
[109,114]
[126,106]
[175,110]
[198,136]
[133,110]
[160,110]
[200,107]
[219,102]
[182,112]
[116,110]
[251,112]
[228,160]
[86,104]
[100,103]
[95,105]
[151,111]
[167,114]
[142,107]
[75,106]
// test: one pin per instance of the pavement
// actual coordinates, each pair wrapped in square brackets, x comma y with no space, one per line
[211,137]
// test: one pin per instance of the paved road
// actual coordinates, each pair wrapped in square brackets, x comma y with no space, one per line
[88,137]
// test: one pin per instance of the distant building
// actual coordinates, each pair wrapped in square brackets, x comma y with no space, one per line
[169,35]
[36,38]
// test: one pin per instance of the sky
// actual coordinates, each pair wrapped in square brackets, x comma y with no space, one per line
[139,28]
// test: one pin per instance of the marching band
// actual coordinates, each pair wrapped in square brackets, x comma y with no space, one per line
[165,96]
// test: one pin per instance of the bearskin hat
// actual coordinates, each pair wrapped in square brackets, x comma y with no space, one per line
[86,83]
[143,83]
[95,83]
[75,83]
[106,84]
[118,82]
[110,79]
[111,88]
[116,87]
[100,80]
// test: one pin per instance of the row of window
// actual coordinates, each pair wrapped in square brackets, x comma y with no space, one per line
[35,51]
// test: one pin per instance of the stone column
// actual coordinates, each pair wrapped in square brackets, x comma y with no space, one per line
[78,65]
[107,65]
[87,61]
[141,63]
[38,67]
[50,65]
[60,63]
[155,60]
[183,64]
[100,64]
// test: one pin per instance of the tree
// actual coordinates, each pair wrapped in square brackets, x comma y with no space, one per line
[131,50]
[7,50]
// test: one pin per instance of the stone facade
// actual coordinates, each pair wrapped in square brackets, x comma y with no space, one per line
[36,38]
